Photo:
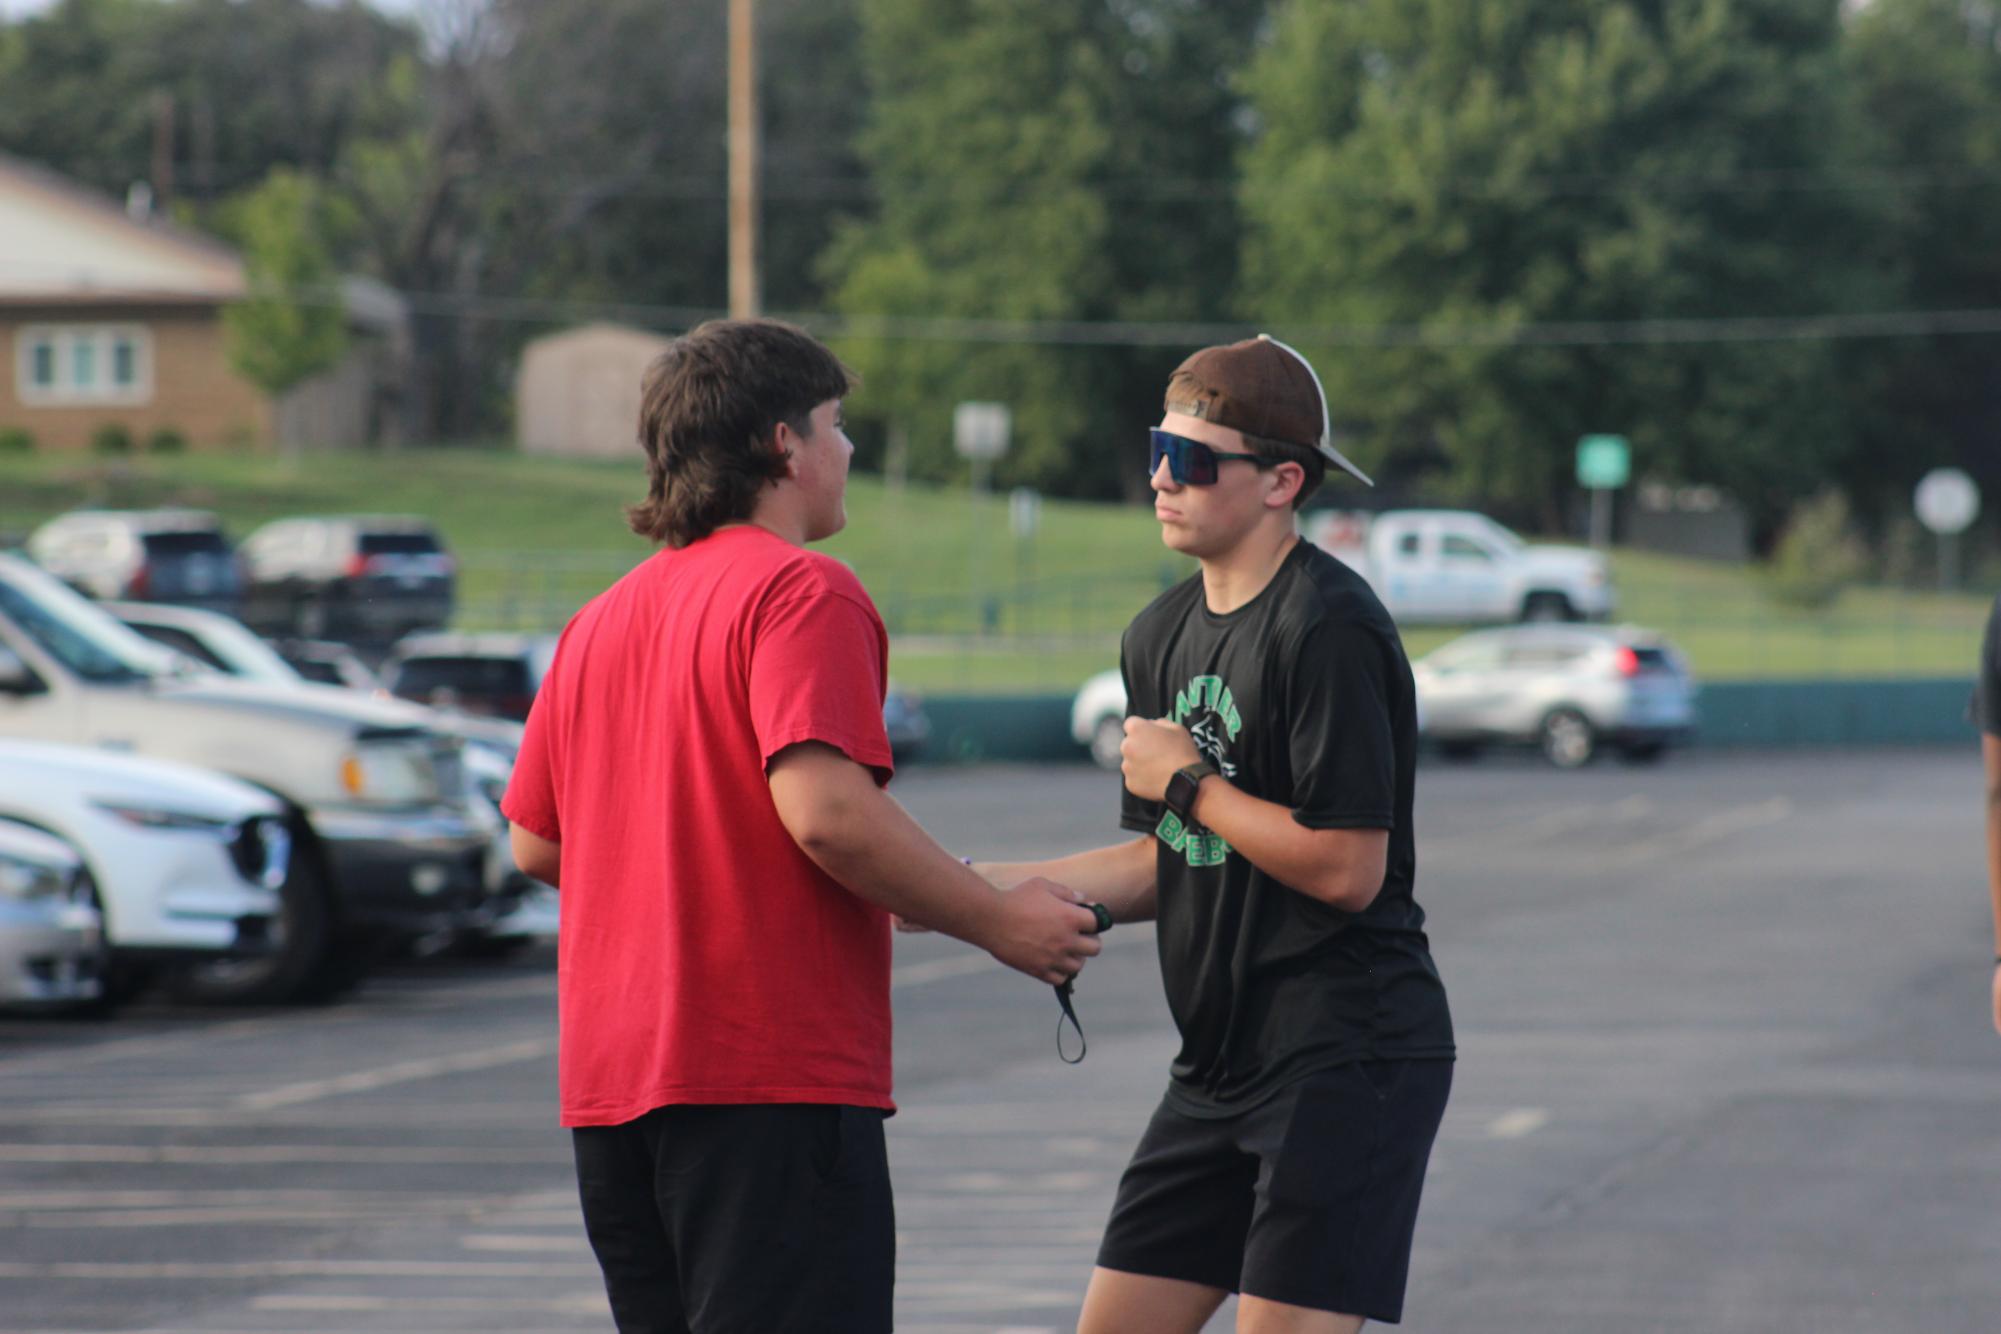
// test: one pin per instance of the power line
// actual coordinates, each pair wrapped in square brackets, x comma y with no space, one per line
[1668,331]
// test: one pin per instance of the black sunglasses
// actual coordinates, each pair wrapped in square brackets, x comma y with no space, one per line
[1192,463]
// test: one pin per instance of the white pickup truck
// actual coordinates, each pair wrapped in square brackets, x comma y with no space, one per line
[1456,567]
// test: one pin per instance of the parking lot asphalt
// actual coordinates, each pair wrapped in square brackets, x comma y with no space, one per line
[1724,1065]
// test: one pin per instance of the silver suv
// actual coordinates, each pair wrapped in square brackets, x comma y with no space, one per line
[387,844]
[178,556]
[1570,691]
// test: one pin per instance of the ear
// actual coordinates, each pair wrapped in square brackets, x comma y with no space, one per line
[1286,479]
[784,439]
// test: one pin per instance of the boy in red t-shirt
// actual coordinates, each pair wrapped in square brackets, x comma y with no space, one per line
[702,775]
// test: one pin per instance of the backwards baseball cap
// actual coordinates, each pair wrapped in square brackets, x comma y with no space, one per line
[1262,388]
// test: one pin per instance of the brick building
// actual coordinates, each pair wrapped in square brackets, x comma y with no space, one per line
[107,317]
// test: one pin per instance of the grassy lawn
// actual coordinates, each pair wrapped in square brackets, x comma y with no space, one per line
[971,608]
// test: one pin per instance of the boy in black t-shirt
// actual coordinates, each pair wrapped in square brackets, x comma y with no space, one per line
[1269,754]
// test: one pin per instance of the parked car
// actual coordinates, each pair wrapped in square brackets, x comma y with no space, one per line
[51,941]
[1570,691]
[210,638]
[1457,567]
[364,578]
[164,555]
[388,844]
[1098,717]
[905,722]
[492,675]
[326,662]
[223,644]
[185,865]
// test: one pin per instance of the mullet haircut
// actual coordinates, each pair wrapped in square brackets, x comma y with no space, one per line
[709,411]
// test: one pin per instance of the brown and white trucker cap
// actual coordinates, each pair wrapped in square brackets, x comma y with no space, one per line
[1262,388]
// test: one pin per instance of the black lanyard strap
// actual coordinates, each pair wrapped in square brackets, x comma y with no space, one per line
[1063,993]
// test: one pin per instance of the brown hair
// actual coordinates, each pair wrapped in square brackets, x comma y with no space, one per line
[708,416]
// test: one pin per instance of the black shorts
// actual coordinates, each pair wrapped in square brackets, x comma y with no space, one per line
[1309,1198]
[742,1219]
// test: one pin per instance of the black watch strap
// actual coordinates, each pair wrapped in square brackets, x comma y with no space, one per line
[1181,789]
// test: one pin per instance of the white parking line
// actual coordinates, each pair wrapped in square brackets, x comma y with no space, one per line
[576,1303]
[1521,1122]
[403,1072]
[264,1155]
[527,1242]
[206,1270]
[1710,829]
[1551,824]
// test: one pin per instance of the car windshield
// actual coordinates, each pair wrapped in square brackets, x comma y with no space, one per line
[83,638]
[191,542]
[398,544]
[245,655]
[1505,536]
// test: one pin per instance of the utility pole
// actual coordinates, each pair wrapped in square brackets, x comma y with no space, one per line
[744,301]
[163,148]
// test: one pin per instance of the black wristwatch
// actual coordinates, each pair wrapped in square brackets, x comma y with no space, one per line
[1181,789]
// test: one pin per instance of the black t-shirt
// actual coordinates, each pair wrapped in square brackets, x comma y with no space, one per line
[1986,706]
[1302,697]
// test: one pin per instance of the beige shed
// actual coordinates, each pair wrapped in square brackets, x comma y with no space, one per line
[578,391]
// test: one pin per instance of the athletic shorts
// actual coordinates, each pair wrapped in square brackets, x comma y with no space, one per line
[1309,1198]
[742,1219]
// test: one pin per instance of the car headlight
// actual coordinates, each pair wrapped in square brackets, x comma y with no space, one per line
[154,817]
[390,773]
[26,881]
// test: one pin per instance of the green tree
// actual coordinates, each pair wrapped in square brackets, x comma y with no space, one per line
[1040,164]
[1426,167]
[291,326]
[1929,74]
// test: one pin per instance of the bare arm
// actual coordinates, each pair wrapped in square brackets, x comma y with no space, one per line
[1121,877]
[863,838]
[1343,868]
[537,857]
[1990,755]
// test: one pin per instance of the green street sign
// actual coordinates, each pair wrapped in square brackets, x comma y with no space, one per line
[1604,462]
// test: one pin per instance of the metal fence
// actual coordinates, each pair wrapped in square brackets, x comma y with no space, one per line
[1048,635]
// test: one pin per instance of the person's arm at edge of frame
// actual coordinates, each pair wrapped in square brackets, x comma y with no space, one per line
[1990,755]
[862,837]
[535,856]
[1343,868]
[1122,876]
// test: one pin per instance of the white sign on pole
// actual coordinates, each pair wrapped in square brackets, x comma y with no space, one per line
[980,430]
[1948,501]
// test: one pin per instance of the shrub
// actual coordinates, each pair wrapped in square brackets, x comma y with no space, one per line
[111,438]
[1817,556]
[166,440]
[16,440]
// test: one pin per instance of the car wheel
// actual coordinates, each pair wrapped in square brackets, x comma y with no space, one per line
[1642,752]
[1544,607]
[1106,738]
[117,982]
[1567,739]
[1459,751]
[310,962]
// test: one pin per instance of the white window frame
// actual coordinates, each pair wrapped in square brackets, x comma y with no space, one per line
[103,340]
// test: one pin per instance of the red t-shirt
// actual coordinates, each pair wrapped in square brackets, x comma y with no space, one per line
[702,957]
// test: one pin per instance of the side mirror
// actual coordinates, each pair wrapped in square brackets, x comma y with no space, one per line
[16,677]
